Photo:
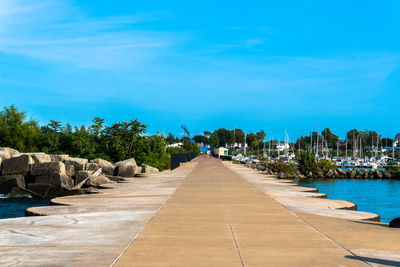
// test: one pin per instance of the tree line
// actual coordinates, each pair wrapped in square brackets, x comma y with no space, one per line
[225,138]
[119,141]
[326,138]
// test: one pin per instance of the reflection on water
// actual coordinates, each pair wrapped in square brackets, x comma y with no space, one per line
[16,206]
[377,196]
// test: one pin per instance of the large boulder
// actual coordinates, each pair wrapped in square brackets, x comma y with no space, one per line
[16,165]
[341,173]
[92,166]
[55,157]
[8,182]
[39,157]
[6,152]
[45,190]
[395,223]
[82,175]
[352,174]
[329,174]
[78,163]
[148,169]
[57,180]
[387,174]
[96,181]
[48,168]
[70,170]
[128,168]
[106,166]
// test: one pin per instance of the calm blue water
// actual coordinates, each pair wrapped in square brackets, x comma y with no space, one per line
[16,206]
[377,196]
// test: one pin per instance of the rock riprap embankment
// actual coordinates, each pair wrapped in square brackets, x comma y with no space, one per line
[44,175]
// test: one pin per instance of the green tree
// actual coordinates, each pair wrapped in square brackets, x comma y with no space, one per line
[121,139]
[238,136]
[207,133]
[170,139]
[252,140]
[214,140]
[97,127]
[225,137]
[330,138]
[153,152]
[82,143]
[351,135]
[387,142]
[200,139]
[17,132]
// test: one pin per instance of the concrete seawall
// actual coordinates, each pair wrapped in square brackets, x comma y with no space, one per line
[297,198]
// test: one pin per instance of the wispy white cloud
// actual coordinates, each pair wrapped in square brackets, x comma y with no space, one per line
[59,32]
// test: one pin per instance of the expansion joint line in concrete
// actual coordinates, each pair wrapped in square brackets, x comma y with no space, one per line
[232,232]
[312,226]
[327,236]
[235,240]
[146,224]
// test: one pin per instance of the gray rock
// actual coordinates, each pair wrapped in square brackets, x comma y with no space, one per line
[40,157]
[99,180]
[378,174]
[387,174]
[55,157]
[70,170]
[148,169]
[106,166]
[16,165]
[78,163]
[329,174]
[57,180]
[127,168]
[92,166]
[48,168]
[8,182]
[6,152]
[352,173]
[45,190]
[281,175]
[101,162]
[82,175]
[395,223]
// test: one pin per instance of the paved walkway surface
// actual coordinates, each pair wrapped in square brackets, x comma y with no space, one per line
[87,230]
[217,218]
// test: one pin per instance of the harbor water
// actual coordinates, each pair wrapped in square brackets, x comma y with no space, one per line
[11,207]
[381,197]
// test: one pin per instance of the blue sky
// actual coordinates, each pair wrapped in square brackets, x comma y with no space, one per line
[271,65]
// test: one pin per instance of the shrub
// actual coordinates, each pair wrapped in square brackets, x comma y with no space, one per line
[280,166]
[326,165]
[306,162]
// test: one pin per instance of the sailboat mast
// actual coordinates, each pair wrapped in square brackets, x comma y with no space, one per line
[317,139]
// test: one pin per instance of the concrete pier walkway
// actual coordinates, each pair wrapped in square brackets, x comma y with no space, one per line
[209,214]
[217,218]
